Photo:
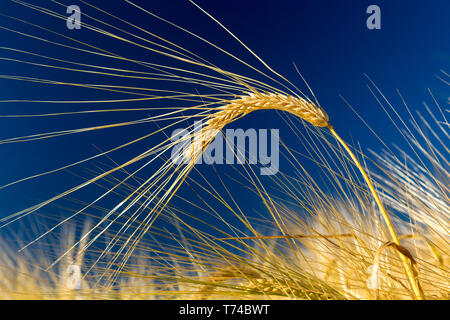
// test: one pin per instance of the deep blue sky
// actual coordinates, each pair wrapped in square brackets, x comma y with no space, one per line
[328,40]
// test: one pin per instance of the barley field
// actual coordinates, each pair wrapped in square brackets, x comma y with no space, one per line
[119,180]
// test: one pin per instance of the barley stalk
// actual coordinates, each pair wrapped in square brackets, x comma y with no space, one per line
[406,264]
[234,109]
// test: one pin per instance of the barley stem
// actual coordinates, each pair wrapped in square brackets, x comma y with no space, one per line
[406,264]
